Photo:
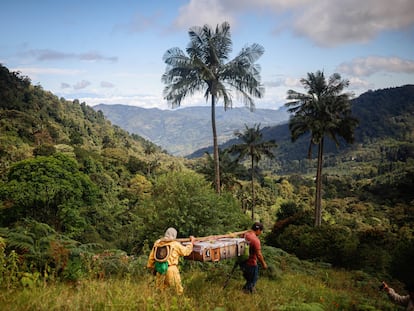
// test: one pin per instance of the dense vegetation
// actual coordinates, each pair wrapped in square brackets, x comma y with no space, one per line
[81,201]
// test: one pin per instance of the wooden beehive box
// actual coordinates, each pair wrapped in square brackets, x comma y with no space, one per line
[216,250]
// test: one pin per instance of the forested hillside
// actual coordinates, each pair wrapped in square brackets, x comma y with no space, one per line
[63,164]
[83,200]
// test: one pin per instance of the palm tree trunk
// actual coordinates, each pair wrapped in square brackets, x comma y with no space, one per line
[253,196]
[318,198]
[215,145]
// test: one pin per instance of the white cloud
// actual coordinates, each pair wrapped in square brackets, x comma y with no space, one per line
[209,12]
[273,5]
[213,12]
[107,84]
[334,22]
[81,85]
[358,85]
[290,82]
[368,66]
[325,22]
[144,101]
[95,56]
[49,54]
[47,71]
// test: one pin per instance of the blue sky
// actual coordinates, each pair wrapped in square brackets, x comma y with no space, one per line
[101,51]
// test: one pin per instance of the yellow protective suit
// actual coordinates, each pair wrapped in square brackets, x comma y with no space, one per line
[172,277]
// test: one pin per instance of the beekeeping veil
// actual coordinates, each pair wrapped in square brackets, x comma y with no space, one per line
[170,234]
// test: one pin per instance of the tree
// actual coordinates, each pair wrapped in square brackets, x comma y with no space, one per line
[51,190]
[230,170]
[205,69]
[254,147]
[14,87]
[185,201]
[323,111]
[150,150]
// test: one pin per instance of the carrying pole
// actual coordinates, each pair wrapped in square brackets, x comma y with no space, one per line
[214,237]
[236,264]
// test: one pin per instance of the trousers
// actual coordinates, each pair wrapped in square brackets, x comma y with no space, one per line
[171,279]
[251,275]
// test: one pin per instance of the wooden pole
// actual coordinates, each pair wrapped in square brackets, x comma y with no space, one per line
[214,237]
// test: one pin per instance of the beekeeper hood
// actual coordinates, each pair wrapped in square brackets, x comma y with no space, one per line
[170,234]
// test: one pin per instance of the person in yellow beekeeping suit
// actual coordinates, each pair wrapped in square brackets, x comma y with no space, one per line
[164,257]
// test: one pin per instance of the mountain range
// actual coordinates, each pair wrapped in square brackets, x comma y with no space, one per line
[187,131]
[382,114]
[182,131]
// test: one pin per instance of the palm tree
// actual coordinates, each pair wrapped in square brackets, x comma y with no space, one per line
[206,68]
[323,111]
[254,147]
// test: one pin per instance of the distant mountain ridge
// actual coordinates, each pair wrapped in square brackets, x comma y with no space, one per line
[383,113]
[187,131]
[182,131]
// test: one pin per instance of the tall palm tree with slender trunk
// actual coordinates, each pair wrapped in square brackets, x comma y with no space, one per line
[254,147]
[323,111]
[206,68]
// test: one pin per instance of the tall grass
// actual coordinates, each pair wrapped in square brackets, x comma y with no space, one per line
[323,289]
[288,285]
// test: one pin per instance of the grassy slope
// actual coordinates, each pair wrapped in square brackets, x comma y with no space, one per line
[289,284]
[326,290]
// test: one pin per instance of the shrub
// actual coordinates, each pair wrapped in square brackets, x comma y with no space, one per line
[288,209]
[333,244]
[374,251]
[186,201]
[44,150]
[402,261]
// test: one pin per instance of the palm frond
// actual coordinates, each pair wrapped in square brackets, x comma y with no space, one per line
[196,46]
[222,42]
[324,110]
[250,53]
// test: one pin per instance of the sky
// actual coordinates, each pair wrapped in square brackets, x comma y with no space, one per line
[111,52]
